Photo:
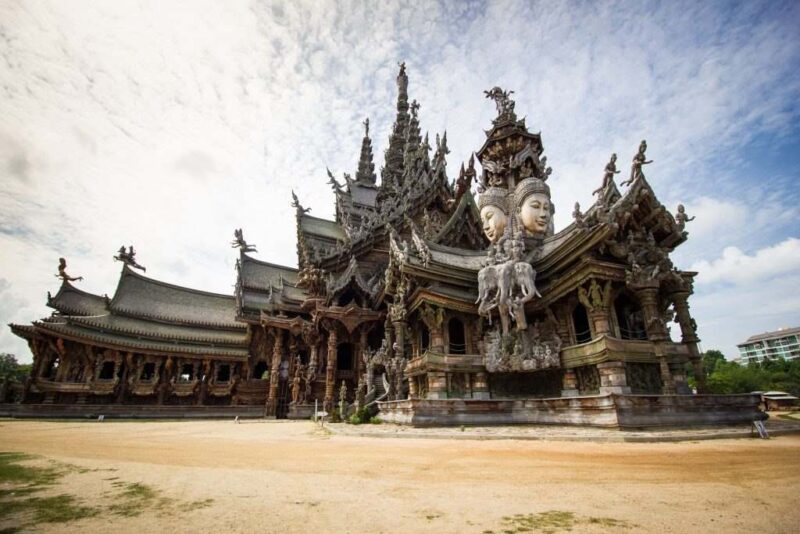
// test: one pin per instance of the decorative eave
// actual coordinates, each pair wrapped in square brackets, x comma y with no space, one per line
[444,299]
[24,331]
[295,325]
[350,316]
[123,344]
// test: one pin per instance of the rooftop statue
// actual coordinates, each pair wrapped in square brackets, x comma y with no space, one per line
[638,160]
[239,242]
[492,204]
[502,99]
[62,272]
[335,185]
[128,258]
[608,176]
[297,206]
[578,216]
[681,218]
[534,209]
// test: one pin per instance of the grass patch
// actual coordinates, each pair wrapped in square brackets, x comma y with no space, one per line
[553,521]
[12,472]
[21,508]
[134,499]
[196,505]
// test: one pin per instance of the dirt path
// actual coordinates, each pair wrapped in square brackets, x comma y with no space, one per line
[288,477]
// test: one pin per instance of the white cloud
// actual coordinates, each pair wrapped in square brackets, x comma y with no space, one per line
[736,267]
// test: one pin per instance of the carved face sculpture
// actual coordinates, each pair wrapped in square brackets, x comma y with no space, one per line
[534,213]
[494,222]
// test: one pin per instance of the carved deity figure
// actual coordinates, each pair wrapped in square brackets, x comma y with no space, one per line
[608,176]
[62,272]
[128,258]
[681,218]
[532,199]
[502,100]
[638,160]
[239,242]
[578,216]
[492,204]
[296,385]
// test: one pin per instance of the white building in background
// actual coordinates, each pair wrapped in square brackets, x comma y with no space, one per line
[783,343]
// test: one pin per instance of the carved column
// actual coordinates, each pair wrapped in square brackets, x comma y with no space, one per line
[656,333]
[689,337]
[330,370]
[480,386]
[613,378]
[597,301]
[569,384]
[413,392]
[437,385]
[400,338]
[274,374]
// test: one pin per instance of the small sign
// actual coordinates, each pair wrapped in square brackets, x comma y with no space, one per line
[321,414]
[101,418]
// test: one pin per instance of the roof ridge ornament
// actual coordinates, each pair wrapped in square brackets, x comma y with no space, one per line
[504,103]
[62,272]
[297,206]
[128,258]
[240,243]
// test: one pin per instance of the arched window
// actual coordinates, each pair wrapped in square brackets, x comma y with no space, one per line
[580,320]
[457,338]
[630,318]
[424,338]
[260,370]
[344,357]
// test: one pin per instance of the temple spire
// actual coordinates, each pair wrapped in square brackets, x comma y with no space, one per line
[366,168]
[393,169]
[412,137]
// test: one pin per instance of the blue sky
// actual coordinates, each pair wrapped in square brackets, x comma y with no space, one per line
[168,124]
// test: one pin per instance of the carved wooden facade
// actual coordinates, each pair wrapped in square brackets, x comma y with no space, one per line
[386,301]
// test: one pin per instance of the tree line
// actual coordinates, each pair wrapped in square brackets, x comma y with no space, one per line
[725,377]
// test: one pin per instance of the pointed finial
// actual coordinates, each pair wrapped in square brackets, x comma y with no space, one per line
[366,127]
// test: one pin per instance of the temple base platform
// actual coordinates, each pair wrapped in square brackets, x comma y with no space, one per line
[301,411]
[612,411]
[121,411]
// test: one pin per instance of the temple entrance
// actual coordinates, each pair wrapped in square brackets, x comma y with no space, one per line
[457,337]
[630,318]
[580,321]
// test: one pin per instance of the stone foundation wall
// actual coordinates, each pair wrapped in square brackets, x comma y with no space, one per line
[116,411]
[616,411]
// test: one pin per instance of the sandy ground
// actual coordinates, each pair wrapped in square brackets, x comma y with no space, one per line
[289,477]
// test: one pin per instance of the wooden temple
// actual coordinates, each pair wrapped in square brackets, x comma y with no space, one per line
[420,301]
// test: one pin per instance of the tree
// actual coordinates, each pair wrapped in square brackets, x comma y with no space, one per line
[10,368]
[712,358]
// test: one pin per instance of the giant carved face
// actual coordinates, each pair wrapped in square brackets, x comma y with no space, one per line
[534,213]
[494,222]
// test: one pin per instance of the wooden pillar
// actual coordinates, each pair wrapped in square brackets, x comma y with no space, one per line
[437,385]
[480,386]
[689,337]
[274,374]
[569,384]
[656,333]
[330,370]
[613,378]
[400,338]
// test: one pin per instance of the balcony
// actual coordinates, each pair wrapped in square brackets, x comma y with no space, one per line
[451,363]
[607,348]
